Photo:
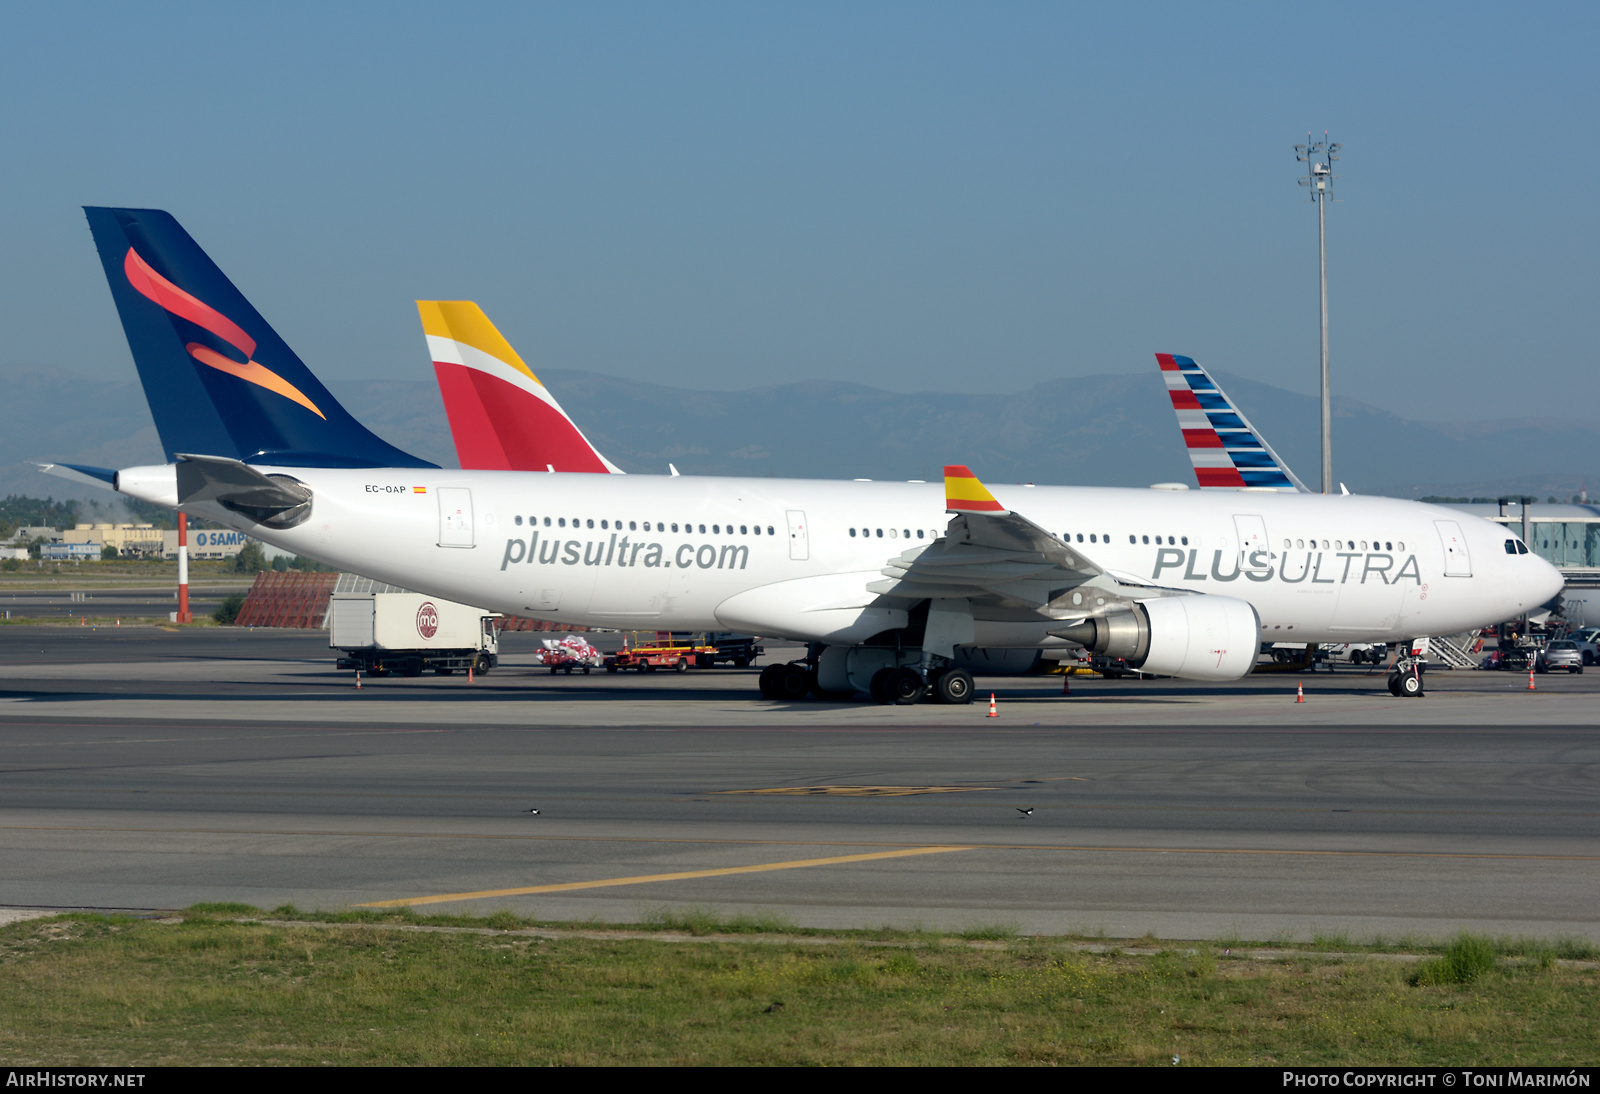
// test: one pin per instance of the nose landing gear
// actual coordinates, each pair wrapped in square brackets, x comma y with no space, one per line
[1405,682]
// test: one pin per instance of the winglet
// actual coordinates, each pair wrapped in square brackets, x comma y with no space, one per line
[963,493]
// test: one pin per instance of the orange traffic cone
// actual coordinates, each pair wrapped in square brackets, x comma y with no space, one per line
[993,713]
[469,674]
[1530,680]
[358,679]
[1066,678]
[1299,692]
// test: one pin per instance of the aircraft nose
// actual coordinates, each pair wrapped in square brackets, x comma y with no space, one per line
[1546,581]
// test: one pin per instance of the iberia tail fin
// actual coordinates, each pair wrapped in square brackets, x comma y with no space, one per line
[1226,450]
[501,416]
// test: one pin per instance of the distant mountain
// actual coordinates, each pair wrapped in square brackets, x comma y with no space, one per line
[1113,430]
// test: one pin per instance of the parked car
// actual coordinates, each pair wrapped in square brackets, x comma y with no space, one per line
[1562,654]
[1588,641]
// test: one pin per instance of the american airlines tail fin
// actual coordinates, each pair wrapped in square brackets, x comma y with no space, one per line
[501,416]
[219,380]
[1226,450]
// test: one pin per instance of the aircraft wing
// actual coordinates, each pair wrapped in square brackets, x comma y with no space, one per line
[1228,453]
[990,554]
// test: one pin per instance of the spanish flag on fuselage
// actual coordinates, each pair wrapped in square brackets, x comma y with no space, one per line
[963,493]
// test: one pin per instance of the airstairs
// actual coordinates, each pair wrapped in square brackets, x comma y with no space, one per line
[1451,651]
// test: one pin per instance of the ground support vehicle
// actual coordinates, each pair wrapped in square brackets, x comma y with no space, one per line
[738,650]
[380,633]
[665,654]
[567,654]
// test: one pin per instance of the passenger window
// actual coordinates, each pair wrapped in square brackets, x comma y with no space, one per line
[674,527]
[1132,539]
[907,533]
[563,522]
[702,529]
[853,536]
[1186,541]
[631,526]
[1080,537]
[1402,545]
[770,532]
[1146,539]
[602,524]
[716,529]
[919,533]
[1092,539]
[1388,546]
[893,533]
[518,522]
[547,522]
[880,533]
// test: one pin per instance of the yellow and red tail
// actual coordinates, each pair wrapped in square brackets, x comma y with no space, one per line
[501,416]
[963,493]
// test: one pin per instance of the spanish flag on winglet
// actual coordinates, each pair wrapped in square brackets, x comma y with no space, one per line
[964,493]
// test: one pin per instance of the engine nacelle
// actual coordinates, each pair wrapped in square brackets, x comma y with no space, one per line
[1192,637]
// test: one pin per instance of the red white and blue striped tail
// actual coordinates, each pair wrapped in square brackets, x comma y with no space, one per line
[1226,450]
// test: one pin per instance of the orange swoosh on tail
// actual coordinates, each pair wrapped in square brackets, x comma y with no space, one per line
[253,373]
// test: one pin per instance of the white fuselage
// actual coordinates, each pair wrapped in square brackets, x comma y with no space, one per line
[652,552]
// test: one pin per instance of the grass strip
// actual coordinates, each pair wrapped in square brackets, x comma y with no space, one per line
[206,988]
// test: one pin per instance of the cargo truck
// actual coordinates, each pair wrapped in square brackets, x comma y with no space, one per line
[405,633]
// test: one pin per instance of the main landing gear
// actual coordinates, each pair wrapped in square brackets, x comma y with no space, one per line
[901,686]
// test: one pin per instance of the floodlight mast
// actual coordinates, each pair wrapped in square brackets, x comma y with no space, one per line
[1319,158]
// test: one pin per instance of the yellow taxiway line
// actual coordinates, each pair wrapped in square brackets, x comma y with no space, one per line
[643,879]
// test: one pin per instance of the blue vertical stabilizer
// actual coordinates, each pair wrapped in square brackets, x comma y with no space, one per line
[219,379]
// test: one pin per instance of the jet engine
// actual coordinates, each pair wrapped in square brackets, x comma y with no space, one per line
[1193,637]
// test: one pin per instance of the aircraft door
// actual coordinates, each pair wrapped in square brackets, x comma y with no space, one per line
[455,516]
[799,541]
[1457,561]
[1255,550]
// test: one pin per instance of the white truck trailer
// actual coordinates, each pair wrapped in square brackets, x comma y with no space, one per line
[405,633]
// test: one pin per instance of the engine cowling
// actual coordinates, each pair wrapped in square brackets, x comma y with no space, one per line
[1192,637]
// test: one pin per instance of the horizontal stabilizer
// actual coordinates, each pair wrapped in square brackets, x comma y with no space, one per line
[104,477]
[276,501]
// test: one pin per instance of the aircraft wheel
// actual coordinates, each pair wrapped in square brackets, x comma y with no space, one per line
[879,687]
[905,686]
[954,686]
[768,682]
[794,683]
[1411,686]
[1394,686]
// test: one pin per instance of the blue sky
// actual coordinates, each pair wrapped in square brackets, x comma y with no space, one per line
[915,196]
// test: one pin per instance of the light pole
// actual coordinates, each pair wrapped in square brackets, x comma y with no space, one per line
[1319,157]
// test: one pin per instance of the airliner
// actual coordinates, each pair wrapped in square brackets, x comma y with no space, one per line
[884,581]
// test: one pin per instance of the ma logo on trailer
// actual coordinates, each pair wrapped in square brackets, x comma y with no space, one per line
[427,620]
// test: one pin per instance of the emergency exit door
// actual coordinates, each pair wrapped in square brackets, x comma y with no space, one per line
[799,542]
[455,516]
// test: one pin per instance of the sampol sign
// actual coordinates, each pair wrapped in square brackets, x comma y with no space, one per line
[427,620]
